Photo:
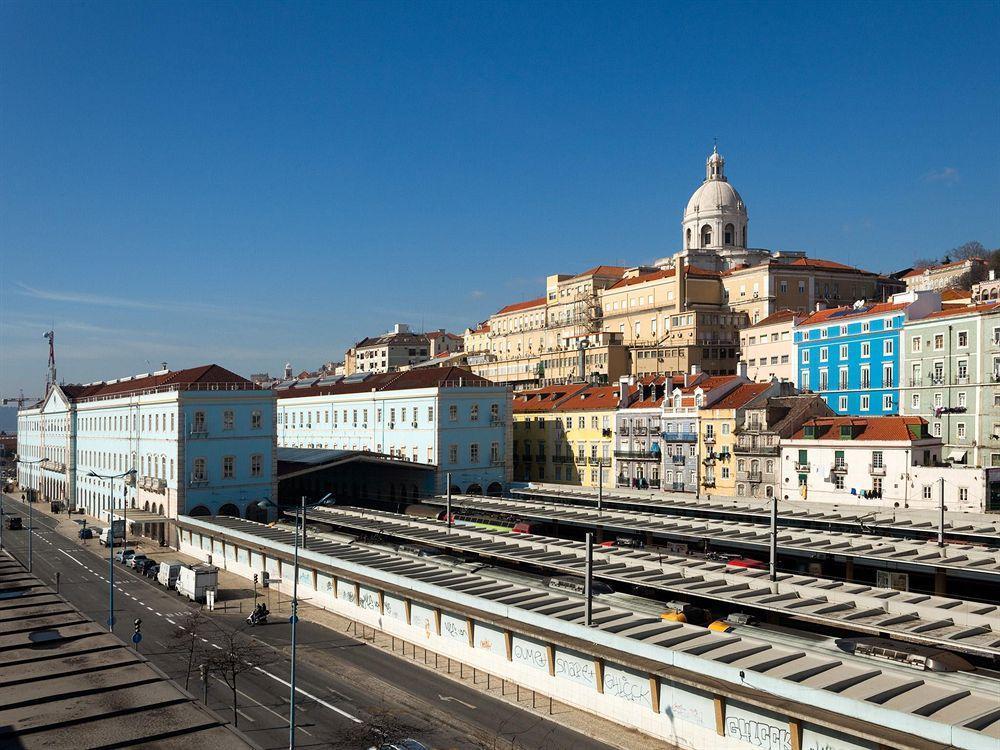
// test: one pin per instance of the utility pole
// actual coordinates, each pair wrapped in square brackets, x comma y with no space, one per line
[588,588]
[304,544]
[600,486]
[941,515]
[774,538]
[447,505]
[294,621]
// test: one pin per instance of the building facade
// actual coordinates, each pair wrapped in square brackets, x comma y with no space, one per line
[951,378]
[638,454]
[766,348]
[850,355]
[201,442]
[960,273]
[759,437]
[443,416]
[398,349]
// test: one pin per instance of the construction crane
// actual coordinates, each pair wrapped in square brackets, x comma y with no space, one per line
[21,400]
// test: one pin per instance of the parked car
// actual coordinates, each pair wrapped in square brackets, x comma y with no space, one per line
[136,560]
[149,568]
[13,523]
[168,572]
[85,533]
[123,555]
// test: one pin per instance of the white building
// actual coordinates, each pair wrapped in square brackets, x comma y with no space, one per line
[444,416]
[863,460]
[201,442]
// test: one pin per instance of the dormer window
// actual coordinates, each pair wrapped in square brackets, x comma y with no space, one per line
[810,431]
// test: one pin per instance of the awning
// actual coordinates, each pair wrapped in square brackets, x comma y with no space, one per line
[957,455]
[139,516]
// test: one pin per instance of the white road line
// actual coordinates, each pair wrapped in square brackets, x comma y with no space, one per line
[171,621]
[320,701]
[158,614]
[147,607]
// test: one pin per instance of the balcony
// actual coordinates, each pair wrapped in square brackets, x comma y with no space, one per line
[680,437]
[598,461]
[199,431]
[561,459]
[623,430]
[198,480]
[677,486]
[640,455]
[962,380]
[708,482]
[759,450]
[754,476]
[709,439]
[654,430]
[802,466]
[876,471]
[840,467]
[527,458]
[678,459]
[639,431]
[654,484]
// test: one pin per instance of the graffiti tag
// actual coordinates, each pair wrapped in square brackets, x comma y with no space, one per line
[758,733]
[532,656]
[622,687]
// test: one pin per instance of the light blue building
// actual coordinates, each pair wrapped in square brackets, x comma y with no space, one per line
[446,417]
[201,442]
[851,355]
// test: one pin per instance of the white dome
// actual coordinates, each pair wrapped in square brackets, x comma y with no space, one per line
[715,195]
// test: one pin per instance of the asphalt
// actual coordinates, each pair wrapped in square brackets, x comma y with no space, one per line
[342,684]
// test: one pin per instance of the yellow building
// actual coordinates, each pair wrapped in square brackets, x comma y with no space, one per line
[565,434]
[717,435]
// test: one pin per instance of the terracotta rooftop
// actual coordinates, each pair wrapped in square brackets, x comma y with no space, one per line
[952,293]
[591,398]
[941,267]
[644,278]
[846,312]
[781,316]
[741,396]
[543,399]
[602,271]
[191,378]
[701,272]
[424,377]
[521,306]
[965,310]
[867,428]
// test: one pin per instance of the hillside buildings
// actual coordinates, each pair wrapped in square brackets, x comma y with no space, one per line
[398,349]
[441,416]
[961,273]
[201,442]
[766,347]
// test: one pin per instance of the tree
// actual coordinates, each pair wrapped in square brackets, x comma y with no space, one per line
[973,249]
[237,653]
[186,638]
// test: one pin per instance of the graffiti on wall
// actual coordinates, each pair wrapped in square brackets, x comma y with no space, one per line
[757,733]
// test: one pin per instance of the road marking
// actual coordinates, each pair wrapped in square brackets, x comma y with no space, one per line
[320,701]
[158,614]
[172,622]
[450,698]
[216,645]
[147,607]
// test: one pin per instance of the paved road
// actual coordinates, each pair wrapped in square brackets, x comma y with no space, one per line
[342,683]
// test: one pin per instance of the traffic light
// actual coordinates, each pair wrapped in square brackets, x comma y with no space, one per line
[138,625]
[254,579]
[203,670]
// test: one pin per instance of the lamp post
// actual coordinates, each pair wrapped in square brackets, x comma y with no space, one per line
[111,540]
[31,532]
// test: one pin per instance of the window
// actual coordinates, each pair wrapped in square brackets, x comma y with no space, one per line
[936,429]
[866,349]
[805,356]
[199,473]
[430,414]
[887,380]
[887,346]
[453,414]
[842,378]
[228,467]
[474,413]
[199,422]
[887,402]
[939,341]
[581,422]
[474,453]
[725,472]
[256,465]
[824,379]
[960,430]
[804,380]
[824,354]
[256,420]
[453,454]
[842,404]
[228,419]
[963,338]
[963,369]
[866,376]
[866,327]
[877,484]
[961,398]
[843,351]
[927,492]
[495,413]
[865,403]
[838,481]
[494,453]
[877,460]
[915,344]
[915,402]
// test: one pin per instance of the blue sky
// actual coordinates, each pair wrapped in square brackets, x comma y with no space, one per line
[254,183]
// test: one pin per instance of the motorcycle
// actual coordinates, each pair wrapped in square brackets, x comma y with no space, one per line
[258,616]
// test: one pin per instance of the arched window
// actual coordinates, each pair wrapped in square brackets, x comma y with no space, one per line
[770,467]
[730,234]
[706,236]
[688,237]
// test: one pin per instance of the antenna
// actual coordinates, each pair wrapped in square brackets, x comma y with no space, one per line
[51,379]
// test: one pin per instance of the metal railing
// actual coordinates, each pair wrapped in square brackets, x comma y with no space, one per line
[680,437]
[678,459]
[649,455]
[876,471]
[802,466]
[247,386]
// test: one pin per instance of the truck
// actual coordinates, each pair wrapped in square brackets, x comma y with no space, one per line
[194,580]
[168,573]
[118,529]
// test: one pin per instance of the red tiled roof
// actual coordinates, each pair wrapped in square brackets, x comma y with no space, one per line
[602,271]
[644,278]
[920,271]
[965,310]
[702,272]
[709,383]
[423,377]
[875,309]
[781,316]
[205,375]
[521,306]
[741,396]
[543,399]
[866,428]
[954,293]
[591,398]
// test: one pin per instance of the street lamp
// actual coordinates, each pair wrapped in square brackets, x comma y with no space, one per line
[300,517]
[31,532]
[111,539]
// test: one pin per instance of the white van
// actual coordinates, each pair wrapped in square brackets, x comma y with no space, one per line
[105,537]
[194,580]
[168,573]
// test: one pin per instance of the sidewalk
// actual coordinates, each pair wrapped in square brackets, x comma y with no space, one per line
[236,597]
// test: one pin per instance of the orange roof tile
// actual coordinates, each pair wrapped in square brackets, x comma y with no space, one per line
[543,399]
[521,306]
[965,310]
[941,267]
[591,398]
[741,396]
[602,271]
[781,316]
[876,309]
[895,428]
[644,278]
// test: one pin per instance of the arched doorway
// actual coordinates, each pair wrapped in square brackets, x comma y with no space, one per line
[474,489]
[456,490]
[495,489]
[229,510]
[257,512]
[200,510]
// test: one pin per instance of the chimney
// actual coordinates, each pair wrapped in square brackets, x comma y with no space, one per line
[623,385]
[741,370]
[695,369]
[993,274]
[820,306]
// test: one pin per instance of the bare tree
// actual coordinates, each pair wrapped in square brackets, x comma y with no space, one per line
[383,724]
[237,653]
[186,638]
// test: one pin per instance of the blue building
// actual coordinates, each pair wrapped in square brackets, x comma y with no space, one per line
[851,355]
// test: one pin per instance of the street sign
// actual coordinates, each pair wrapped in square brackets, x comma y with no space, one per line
[293,619]
[136,638]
